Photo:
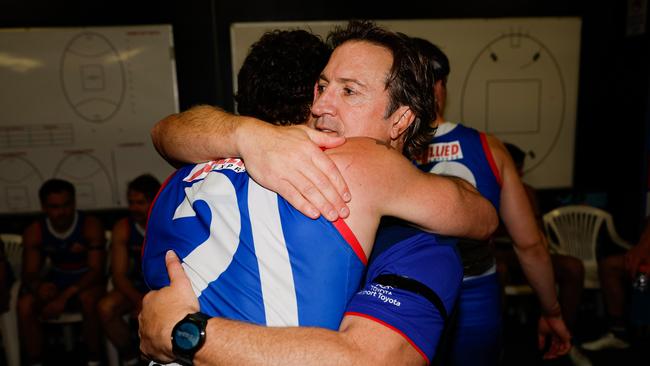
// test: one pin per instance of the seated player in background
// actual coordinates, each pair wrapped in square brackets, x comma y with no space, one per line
[6,279]
[74,244]
[126,269]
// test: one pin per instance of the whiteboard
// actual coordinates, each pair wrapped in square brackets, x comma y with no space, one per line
[78,104]
[516,78]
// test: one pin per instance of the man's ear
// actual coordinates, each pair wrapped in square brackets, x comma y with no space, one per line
[402,119]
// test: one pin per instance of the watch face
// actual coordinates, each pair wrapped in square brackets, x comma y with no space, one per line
[187,335]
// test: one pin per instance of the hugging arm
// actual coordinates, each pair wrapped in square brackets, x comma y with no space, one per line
[359,342]
[439,204]
[288,160]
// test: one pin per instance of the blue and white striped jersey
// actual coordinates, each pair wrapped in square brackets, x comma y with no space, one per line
[249,254]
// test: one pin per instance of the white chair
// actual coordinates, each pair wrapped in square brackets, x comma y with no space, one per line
[9,320]
[573,230]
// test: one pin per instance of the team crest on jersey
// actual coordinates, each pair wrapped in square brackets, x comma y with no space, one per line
[442,151]
[201,170]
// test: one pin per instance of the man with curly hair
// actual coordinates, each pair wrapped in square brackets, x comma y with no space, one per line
[276,82]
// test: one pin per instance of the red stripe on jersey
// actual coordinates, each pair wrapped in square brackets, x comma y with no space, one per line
[490,158]
[348,235]
[369,317]
[144,242]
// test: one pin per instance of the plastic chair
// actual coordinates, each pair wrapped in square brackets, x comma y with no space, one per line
[9,320]
[573,230]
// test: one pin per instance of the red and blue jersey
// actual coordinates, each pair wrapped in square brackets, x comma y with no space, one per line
[463,152]
[67,251]
[419,312]
[249,254]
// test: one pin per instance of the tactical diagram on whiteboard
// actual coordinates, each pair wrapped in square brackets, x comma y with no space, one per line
[514,87]
[92,76]
[18,176]
[80,107]
[91,178]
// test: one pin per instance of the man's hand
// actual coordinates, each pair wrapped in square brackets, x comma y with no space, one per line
[286,160]
[290,161]
[553,327]
[162,309]
[634,257]
[48,292]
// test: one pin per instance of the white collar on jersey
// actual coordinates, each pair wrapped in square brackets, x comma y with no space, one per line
[66,233]
[445,128]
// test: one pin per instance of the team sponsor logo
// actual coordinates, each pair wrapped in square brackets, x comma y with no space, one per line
[442,151]
[201,170]
[382,293]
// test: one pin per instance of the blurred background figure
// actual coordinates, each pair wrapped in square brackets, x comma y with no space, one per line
[617,273]
[126,269]
[73,243]
[569,271]
[6,279]
[482,160]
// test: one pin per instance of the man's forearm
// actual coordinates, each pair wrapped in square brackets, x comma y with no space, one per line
[538,269]
[360,341]
[238,343]
[473,215]
[199,134]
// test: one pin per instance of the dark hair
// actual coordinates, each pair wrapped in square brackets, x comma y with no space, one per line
[146,184]
[409,82]
[276,81]
[433,55]
[518,155]
[55,186]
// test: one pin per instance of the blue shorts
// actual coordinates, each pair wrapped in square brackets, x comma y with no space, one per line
[477,338]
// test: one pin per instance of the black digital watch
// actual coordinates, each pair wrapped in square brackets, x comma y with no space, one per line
[188,337]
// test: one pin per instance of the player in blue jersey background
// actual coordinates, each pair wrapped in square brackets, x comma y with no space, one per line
[126,268]
[482,160]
